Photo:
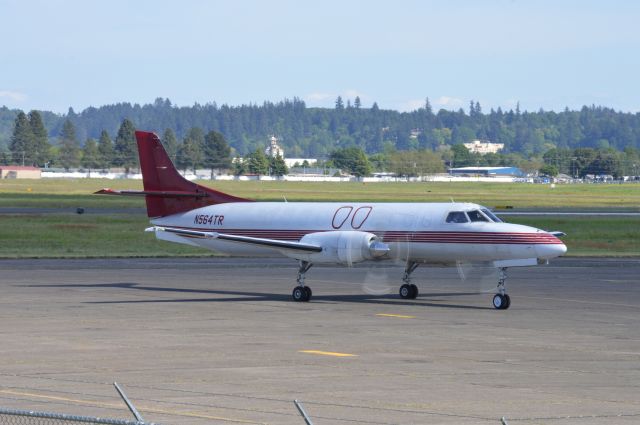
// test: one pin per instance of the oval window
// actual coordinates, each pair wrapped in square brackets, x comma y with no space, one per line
[340,216]
[360,216]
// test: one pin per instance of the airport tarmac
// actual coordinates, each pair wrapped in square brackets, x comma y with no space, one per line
[218,341]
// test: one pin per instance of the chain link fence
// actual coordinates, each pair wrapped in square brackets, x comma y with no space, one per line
[29,417]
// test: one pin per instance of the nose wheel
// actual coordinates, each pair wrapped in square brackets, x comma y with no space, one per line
[501,300]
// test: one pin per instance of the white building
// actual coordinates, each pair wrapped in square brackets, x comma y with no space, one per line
[274,149]
[478,146]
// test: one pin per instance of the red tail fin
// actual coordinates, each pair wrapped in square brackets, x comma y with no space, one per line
[165,190]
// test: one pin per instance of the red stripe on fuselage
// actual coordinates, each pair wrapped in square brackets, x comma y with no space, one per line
[511,238]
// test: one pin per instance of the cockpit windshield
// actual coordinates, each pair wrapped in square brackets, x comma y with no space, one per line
[491,215]
[476,216]
[457,217]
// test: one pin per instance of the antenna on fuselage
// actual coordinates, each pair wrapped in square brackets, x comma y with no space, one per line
[285,199]
[452,201]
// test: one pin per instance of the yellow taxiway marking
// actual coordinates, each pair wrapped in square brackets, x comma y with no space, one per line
[399,316]
[144,409]
[327,353]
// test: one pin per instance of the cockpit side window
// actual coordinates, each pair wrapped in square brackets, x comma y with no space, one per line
[476,216]
[491,215]
[457,217]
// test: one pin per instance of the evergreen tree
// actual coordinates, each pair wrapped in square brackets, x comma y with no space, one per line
[105,151]
[40,143]
[356,103]
[69,150]
[22,141]
[258,163]
[427,107]
[125,147]
[278,166]
[90,155]
[190,154]
[217,153]
[170,143]
[314,131]
[239,167]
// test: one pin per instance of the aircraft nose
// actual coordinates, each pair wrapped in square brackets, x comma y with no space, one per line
[551,250]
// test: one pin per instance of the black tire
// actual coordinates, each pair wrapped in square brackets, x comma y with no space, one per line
[499,301]
[414,291]
[308,293]
[507,303]
[405,291]
[299,294]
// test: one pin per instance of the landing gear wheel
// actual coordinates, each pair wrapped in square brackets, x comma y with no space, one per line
[501,302]
[299,294]
[508,301]
[308,293]
[408,291]
[414,288]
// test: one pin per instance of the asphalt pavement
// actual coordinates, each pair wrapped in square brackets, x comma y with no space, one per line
[218,341]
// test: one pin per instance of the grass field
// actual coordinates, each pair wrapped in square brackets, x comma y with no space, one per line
[79,236]
[122,235]
[52,193]
[118,235]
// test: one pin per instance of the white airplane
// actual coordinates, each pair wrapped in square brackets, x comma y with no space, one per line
[334,232]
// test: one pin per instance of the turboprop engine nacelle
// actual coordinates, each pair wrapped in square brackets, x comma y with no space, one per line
[343,247]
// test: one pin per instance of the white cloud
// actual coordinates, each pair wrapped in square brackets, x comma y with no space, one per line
[13,96]
[447,102]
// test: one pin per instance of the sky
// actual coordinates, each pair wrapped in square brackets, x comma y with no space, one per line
[58,54]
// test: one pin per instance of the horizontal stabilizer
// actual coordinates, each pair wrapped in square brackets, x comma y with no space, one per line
[270,243]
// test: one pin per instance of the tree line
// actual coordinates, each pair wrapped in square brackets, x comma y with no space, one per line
[29,145]
[316,132]
[359,140]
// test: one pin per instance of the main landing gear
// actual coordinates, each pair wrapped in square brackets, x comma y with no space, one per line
[408,290]
[501,300]
[302,293]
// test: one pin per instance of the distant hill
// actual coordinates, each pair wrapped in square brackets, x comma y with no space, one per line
[315,132]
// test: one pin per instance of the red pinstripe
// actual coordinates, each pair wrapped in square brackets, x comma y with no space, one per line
[511,238]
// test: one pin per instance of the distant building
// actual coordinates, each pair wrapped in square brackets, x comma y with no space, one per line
[478,146]
[19,172]
[487,171]
[274,149]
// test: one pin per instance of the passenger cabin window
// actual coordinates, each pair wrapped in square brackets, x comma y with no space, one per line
[457,217]
[491,215]
[476,215]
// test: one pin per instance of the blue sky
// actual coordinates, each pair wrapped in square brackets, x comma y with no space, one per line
[544,54]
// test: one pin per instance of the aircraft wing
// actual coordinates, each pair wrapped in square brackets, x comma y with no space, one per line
[272,243]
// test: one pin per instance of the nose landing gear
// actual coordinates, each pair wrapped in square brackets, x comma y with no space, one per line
[501,300]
